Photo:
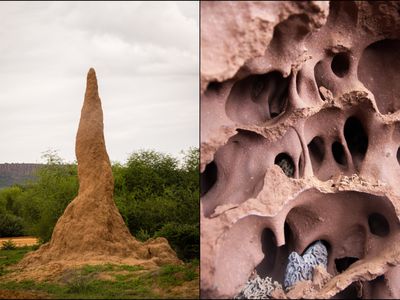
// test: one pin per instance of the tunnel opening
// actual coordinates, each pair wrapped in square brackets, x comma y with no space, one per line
[338,153]
[316,149]
[275,258]
[258,98]
[208,178]
[356,139]
[340,64]
[270,249]
[214,86]
[285,162]
[257,87]
[343,263]
[378,225]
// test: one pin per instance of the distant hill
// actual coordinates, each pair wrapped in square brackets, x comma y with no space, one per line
[16,173]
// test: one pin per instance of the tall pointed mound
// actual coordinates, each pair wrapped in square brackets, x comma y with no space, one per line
[91,230]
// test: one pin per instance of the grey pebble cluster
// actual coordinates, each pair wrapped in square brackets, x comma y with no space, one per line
[299,268]
[258,288]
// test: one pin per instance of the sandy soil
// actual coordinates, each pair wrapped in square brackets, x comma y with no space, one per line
[21,241]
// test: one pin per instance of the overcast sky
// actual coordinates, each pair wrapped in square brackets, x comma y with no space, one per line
[146,60]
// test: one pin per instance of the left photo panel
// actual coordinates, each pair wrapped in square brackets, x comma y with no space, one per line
[99,159]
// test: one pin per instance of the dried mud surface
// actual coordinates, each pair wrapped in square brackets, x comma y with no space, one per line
[91,230]
[300,136]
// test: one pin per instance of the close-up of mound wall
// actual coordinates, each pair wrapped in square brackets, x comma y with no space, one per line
[300,157]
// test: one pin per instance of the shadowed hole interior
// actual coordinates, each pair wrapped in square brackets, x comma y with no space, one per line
[378,225]
[269,247]
[316,150]
[347,11]
[214,86]
[257,87]
[318,74]
[356,139]
[208,178]
[340,64]
[287,232]
[275,258]
[338,153]
[398,155]
[342,264]
[257,98]
[285,162]
[278,95]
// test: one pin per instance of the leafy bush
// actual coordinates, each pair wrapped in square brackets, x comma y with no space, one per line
[184,238]
[46,199]
[10,225]
[142,235]
[8,245]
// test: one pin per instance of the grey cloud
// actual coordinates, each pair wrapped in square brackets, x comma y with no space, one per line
[146,59]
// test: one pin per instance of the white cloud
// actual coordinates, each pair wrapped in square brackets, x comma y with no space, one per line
[146,59]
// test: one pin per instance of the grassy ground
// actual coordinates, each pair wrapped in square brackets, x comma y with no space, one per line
[104,281]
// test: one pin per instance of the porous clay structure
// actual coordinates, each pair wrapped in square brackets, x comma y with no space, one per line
[91,230]
[300,136]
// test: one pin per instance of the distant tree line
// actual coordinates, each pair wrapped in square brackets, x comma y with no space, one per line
[156,194]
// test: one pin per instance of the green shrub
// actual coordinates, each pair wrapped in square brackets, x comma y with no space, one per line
[10,225]
[142,235]
[183,238]
[8,245]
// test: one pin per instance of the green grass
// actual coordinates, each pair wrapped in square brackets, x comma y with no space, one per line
[125,281]
[88,269]
[172,275]
[11,257]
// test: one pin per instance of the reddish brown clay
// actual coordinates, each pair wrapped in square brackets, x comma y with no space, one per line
[300,136]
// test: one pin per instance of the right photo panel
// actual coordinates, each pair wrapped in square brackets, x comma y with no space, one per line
[300,135]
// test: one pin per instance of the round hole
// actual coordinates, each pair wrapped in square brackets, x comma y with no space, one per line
[285,162]
[340,64]
[378,225]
